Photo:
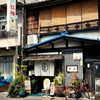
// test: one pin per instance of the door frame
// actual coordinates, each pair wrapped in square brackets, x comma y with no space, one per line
[98,62]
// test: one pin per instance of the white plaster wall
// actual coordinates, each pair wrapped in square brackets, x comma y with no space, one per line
[44,38]
[72,43]
[32,1]
[89,34]
[60,43]
[10,42]
[3,2]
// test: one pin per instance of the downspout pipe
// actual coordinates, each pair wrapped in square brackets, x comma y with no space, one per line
[23,30]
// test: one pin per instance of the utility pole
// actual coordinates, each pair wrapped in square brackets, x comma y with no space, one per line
[19,48]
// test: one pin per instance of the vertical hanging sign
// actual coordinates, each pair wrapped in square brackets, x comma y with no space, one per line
[11,15]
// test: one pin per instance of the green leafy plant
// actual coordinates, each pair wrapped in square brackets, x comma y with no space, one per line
[33,86]
[16,85]
[59,80]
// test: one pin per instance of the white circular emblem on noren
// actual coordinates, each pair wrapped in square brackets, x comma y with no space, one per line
[44,67]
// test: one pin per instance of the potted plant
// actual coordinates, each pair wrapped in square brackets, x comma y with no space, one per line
[59,82]
[17,87]
[22,92]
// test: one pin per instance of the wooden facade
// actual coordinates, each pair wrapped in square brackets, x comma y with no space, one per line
[68,16]
[77,16]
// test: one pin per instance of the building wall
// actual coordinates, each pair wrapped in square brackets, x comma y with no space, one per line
[4,42]
[68,61]
[3,2]
[7,42]
[92,34]
[44,38]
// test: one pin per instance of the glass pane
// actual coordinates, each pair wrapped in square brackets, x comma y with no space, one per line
[97,70]
[6,68]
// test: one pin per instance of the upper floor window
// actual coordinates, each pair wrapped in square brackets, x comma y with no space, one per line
[3,22]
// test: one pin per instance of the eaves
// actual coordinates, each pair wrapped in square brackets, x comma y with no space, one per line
[46,3]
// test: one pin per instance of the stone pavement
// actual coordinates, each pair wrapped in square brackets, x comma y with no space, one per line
[3,96]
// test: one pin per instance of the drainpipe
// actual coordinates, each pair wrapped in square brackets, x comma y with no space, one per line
[23,42]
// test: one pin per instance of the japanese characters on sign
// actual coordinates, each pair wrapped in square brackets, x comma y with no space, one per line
[27,85]
[77,56]
[11,15]
[72,68]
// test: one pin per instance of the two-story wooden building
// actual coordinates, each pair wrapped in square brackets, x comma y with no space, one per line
[49,49]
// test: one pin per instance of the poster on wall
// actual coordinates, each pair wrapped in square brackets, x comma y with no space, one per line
[77,56]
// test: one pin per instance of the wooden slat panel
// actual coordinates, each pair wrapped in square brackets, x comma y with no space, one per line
[58,15]
[89,10]
[74,12]
[46,17]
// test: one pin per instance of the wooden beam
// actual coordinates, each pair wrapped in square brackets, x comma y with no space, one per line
[52,44]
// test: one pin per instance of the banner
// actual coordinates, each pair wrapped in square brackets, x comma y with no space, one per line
[11,15]
[44,68]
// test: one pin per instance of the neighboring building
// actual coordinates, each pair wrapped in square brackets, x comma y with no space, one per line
[9,41]
[77,51]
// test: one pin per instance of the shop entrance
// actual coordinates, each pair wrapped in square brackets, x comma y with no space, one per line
[89,76]
[97,80]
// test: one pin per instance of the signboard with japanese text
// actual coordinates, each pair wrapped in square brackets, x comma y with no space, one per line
[27,85]
[11,15]
[77,56]
[71,68]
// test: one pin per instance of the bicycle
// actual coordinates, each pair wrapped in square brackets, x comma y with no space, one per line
[72,92]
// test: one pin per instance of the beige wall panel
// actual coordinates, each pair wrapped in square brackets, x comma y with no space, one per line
[3,2]
[5,43]
[58,15]
[73,12]
[46,17]
[89,10]
[72,43]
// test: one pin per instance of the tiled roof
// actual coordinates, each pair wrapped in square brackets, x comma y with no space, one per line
[43,57]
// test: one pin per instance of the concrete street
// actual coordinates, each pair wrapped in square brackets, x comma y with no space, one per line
[3,96]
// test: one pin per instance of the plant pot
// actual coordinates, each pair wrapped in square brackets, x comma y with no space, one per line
[22,93]
[59,90]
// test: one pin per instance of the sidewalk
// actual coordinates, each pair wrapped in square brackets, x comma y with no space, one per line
[3,96]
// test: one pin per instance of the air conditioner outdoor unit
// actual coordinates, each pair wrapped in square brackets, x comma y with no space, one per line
[32,39]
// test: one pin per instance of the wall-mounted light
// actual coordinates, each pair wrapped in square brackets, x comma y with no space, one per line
[88,65]
[7,48]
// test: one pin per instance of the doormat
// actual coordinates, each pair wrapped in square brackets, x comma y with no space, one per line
[38,94]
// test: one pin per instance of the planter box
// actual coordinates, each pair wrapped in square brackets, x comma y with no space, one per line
[59,90]
[4,88]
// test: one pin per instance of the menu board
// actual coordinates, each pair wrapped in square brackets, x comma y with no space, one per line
[27,85]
